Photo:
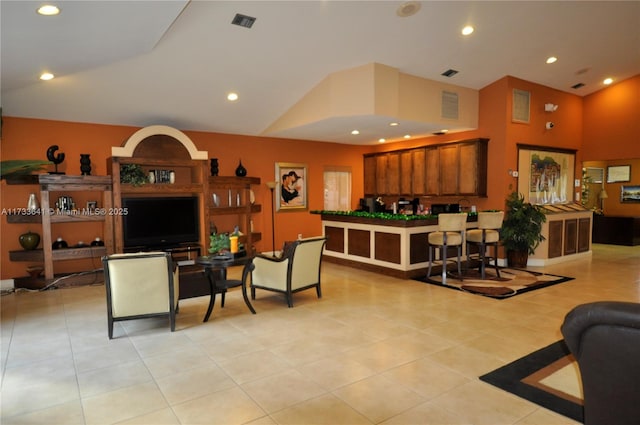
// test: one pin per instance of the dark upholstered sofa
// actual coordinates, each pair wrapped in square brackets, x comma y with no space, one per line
[604,337]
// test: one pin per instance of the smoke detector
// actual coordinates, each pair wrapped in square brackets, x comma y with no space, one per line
[408,9]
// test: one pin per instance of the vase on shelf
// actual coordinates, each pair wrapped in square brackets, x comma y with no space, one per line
[214,166]
[29,240]
[32,203]
[59,244]
[241,171]
[85,164]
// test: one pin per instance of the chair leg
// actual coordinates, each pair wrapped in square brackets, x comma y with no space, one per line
[253,293]
[495,259]
[110,325]
[482,252]
[222,300]
[319,291]
[459,255]
[430,248]
[289,299]
[172,320]
[443,257]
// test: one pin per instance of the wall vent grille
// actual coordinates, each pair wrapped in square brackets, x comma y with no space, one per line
[449,105]
[521,106]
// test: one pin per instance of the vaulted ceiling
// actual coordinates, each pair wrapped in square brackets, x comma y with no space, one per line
[141,63]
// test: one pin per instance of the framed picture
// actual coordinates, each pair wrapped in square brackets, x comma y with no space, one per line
[546,174]
[629,193]
[618,173]
[292,190]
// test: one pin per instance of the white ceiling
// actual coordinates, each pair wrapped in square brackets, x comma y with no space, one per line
[142,63]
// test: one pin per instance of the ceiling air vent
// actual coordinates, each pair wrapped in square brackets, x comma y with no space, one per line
[449,105]
[577,86]
[243,20]
[449,73]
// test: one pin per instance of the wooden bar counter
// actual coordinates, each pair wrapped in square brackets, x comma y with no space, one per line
[393,247]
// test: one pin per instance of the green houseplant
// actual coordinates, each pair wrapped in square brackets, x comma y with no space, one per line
[521,231]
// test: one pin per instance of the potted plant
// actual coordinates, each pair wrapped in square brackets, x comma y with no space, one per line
[521,231]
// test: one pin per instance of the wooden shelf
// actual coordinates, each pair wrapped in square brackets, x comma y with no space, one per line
[37,255]
[255,208]
[66,183]
[160,188]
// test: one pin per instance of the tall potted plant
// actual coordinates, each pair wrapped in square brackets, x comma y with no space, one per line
[521,231]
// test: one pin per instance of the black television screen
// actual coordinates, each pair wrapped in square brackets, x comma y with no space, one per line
[160,222]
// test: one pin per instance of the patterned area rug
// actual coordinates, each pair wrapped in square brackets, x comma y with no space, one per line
[511,282]
[548,377]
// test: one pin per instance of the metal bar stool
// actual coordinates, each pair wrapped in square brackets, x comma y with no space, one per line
[487,234]
[450,232]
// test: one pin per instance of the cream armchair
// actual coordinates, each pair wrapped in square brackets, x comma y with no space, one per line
[140,285]
[296,269]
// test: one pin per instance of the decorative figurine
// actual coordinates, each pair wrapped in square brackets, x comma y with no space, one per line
[56,159]
[85,164]
[29,240]
[214,166]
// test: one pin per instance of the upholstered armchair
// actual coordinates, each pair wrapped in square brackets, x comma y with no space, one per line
[604,337]
[297,268]
[140,285]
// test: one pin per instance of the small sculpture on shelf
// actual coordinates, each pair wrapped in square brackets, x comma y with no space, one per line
[60,244]
[85,164]
[214,166]
[56,159]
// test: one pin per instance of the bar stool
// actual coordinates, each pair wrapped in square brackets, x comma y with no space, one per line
[450,232]
[487,234]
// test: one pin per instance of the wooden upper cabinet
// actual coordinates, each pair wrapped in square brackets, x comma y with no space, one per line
[473,168]
[418,174]
[393,174]
[449,169]
[370,175]
[432,172]
[406,172]
[457,168]
[381,174]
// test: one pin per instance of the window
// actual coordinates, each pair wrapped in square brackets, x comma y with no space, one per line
[337,189]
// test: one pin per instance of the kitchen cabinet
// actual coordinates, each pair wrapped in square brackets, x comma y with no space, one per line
[450,169]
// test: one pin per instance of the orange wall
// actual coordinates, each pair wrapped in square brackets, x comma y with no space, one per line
[612,122]
[30,138]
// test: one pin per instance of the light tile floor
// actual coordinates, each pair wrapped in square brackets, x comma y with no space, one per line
[373,350]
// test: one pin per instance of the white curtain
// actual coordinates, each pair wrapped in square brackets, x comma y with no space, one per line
[337,190]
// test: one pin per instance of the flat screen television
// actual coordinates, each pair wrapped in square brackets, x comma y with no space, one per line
[160,222]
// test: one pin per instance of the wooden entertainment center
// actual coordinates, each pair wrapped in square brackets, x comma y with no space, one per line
[150,148]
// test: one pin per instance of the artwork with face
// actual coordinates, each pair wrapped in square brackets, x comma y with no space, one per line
[292,190]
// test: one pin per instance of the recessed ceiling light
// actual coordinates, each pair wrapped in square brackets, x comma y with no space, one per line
[607,81]
[382,140]
[551,59]
[408,9]
[46,76]
[355,132]
[48,10]
[232,96]
[394,124]
[407,136]
[467,30]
